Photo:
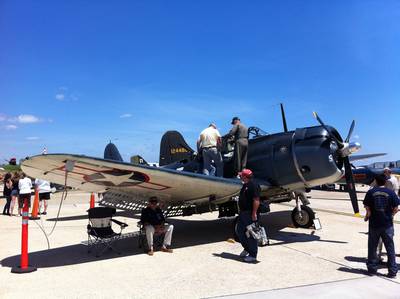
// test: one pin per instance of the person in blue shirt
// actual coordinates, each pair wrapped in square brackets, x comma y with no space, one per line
[381,205]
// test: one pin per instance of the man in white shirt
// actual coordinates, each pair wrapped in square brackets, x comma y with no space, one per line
[25,186]
[392,179]
[44,189]
[392,184]
[209,143]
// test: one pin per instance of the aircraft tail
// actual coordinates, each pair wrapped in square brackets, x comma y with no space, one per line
[138,160]
[111,152]
[173,148]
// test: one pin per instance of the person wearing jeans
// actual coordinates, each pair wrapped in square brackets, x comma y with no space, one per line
[249,201]
[7,193]
[381,205]
[209,143]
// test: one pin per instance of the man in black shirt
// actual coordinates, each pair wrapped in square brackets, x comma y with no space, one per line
[249,201]
[381,205]
[154,223]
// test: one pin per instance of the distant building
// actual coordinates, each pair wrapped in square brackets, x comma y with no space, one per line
[390,164]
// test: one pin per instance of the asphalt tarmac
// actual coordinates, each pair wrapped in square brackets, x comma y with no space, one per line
[299,263]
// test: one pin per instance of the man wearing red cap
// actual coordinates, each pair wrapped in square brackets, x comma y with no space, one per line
[249,201]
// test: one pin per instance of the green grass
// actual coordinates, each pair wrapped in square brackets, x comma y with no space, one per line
[11,168]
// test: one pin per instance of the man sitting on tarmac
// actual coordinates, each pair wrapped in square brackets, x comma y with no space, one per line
[154,223]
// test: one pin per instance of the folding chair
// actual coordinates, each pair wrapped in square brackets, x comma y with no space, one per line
[99,230]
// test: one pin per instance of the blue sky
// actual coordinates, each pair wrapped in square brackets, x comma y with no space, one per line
[77,74]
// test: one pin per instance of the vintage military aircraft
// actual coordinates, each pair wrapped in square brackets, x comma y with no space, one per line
[365,175]
[283,164]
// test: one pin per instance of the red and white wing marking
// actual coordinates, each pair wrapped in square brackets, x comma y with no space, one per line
[97,175]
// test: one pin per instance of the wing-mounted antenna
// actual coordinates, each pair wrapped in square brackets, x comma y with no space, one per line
[284,119]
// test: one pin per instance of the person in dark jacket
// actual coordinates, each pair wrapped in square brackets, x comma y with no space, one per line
[7,193]
[381,205]
[14,193]
[240,134]
[153,220]
[249,201]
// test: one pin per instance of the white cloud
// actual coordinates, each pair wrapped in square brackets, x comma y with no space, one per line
[25,119]
[74,97]
[11,127]
[63,94]
[32,138]
[60,96]
[126,115]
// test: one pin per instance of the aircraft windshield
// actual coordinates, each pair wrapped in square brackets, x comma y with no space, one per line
[255,132]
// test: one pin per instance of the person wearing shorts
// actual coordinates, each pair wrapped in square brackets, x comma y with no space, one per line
[44,189]
[25,189]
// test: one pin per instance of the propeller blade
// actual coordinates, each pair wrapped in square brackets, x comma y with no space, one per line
[350,185]
[353,123]
[329,131]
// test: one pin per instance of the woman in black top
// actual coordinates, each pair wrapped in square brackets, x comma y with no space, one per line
[7,193]
[14,192]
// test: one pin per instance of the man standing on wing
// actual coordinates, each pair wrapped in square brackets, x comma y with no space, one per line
[209,143]
[240,134]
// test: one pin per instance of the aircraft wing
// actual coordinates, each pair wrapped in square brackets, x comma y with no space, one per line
[142,181]
[367,156]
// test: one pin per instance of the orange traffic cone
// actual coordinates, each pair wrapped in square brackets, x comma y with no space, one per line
[35,208]
[92,200]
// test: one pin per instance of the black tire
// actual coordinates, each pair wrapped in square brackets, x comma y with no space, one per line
[307,217]
[235,223]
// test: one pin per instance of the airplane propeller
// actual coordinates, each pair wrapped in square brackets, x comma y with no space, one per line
[345,149]
[353,123]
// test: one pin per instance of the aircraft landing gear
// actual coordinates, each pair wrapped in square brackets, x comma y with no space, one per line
[302,215]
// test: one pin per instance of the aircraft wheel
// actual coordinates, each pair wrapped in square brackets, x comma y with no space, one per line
[235,223]
[304,218]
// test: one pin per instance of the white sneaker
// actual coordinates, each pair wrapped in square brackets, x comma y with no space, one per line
[244,253]
[250,259]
